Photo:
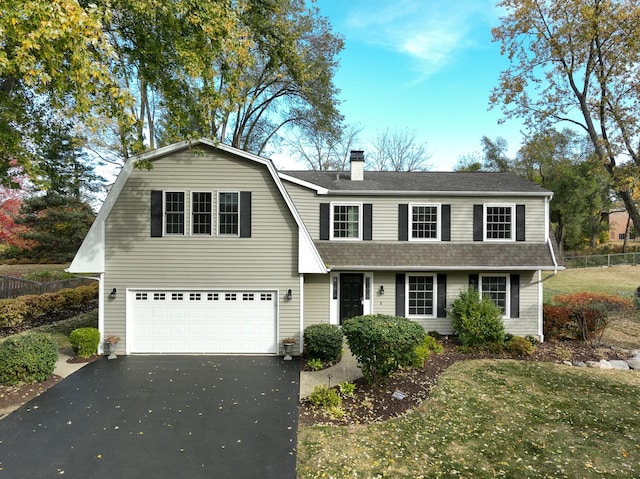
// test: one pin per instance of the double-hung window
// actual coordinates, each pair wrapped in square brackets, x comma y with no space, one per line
[345,221]
[496,288]
[421,295]
[174,212]
[228,213]
[201,216]
[499,222]
[424,222]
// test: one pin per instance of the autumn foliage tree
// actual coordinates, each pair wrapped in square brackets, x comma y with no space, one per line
[577,62]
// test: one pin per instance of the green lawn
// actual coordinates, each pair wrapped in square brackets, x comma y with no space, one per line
[490,419]
[615,280]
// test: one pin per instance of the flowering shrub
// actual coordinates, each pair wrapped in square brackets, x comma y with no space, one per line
[583,315]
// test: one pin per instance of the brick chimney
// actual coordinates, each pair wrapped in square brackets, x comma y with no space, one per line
[357,165]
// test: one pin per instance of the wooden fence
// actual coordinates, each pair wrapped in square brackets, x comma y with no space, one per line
[11,287]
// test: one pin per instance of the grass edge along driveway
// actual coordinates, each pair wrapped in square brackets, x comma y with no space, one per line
[494,418]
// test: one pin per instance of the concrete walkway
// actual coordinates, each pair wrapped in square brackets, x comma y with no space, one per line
[346,370]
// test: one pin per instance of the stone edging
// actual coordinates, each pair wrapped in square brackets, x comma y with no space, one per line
[620,365]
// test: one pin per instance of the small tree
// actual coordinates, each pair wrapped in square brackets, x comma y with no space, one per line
[382,344]
[477,320]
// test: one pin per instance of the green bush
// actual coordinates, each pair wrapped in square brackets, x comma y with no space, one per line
[323,341]
[476,320]
[382,344]
[520,346]
[323,397]
[27,359]
[85,341]
[423,350]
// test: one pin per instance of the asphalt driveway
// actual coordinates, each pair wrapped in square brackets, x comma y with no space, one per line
[160,416]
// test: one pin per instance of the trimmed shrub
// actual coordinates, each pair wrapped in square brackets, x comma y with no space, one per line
[382,343]
[323,397]
[85,341]
[323,342]
[423,350]
[520,346]
[12,312]
[477,320]
[27,359]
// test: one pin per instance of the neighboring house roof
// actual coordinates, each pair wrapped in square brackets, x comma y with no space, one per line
[90,258]
[417,182]
[374,255]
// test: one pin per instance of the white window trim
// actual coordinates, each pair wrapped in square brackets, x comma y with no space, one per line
[331,222]
[438,222]
[184,213]
[214,221]
[507,306]
[226,235]
[512,206]
[434,313]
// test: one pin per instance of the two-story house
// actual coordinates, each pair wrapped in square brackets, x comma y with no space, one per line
[213,250]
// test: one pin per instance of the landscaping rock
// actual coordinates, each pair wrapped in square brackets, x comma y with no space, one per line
[619,364]
[568,363]
[593,364]
[604,364]
[579,364]
[634,363]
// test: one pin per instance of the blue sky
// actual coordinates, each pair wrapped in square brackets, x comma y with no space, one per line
[427,66]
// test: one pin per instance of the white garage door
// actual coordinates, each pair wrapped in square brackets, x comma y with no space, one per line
[202,322]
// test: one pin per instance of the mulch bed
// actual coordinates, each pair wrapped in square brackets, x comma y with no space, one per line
[376,403]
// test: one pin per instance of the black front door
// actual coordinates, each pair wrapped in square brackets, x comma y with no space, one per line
[351,295]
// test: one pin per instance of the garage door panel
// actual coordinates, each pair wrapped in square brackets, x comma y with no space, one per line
[203,321]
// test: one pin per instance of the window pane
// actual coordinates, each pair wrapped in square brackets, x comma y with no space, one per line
[498,222]
[495,287]
[201,214]
[424,222]
[228,214]
[421,295]
[174,212]
[346,221]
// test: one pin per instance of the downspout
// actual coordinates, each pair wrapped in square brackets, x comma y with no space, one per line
[300,337]
[100,281]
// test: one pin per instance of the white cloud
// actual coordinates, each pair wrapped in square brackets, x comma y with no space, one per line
[429,32]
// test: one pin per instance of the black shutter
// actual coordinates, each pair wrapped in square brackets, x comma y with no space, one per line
[367,222]
[515,296]
[442,296]
[445,223]
[403,222]
[474,281]
[478,222]
[245,214]
[324,221]
[520,222]
[156,213]
[400,294]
